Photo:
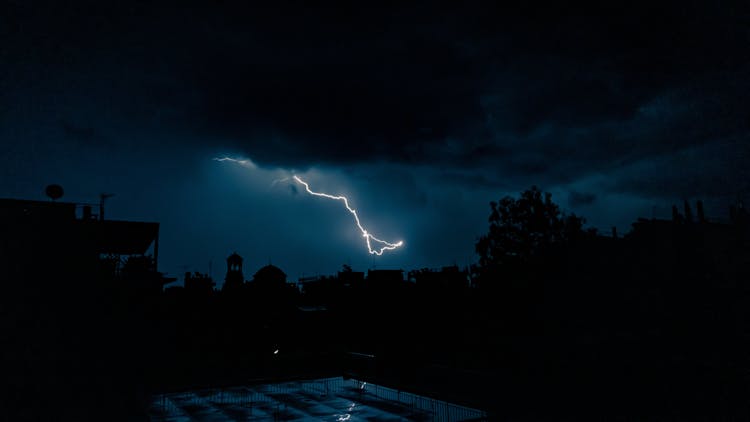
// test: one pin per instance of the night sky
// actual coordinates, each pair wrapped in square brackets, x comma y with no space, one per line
[421,115]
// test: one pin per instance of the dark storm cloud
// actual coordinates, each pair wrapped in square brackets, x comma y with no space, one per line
[580,198]
[83,135]
[717,170]
[517,96]
[495,95]
[294,85]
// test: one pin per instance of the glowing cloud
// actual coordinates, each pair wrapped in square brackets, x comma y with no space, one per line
[244,163]
[381,245]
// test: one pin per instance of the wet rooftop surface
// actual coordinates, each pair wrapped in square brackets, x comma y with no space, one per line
[327,399]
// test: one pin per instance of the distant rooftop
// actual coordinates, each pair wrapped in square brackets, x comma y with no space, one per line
[22,208]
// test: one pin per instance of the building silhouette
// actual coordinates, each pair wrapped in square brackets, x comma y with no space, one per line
[385,277]
[269,276]
[82,293]
[234,279]
[45,239]
[197,283]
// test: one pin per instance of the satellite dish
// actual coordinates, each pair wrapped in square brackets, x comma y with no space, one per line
[54,192]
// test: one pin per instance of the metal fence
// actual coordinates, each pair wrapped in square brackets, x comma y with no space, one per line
[439,409]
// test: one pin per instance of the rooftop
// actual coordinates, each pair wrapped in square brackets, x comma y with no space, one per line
[332,399]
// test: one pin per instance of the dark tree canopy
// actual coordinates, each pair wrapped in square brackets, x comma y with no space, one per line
[522,228]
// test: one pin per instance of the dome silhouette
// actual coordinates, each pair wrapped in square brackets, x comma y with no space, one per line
[270,274]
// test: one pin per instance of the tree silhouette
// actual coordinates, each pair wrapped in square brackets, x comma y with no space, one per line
[522,228]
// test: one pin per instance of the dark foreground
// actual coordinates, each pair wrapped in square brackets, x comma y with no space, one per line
[106,357]
[653,326]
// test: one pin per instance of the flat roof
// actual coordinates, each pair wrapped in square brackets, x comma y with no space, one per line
[331,399]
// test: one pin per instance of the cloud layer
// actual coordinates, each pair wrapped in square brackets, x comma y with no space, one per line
[612,107]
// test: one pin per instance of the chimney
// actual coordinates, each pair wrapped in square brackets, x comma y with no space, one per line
[699,210]
[87,212]
[614,232]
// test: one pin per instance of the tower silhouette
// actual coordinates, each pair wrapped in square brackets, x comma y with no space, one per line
[234,278]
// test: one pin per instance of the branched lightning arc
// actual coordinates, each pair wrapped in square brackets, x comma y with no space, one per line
[387,246]
[369,238]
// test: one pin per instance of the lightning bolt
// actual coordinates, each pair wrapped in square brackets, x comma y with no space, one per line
[386,246]
[369,238]
[243,163]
